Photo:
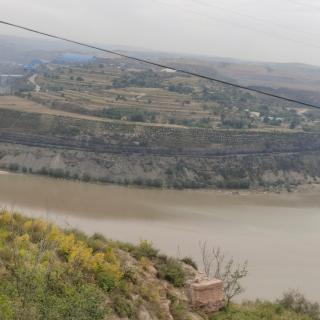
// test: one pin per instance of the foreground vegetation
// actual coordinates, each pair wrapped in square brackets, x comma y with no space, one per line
[47,273]
[260,310]
[50,273]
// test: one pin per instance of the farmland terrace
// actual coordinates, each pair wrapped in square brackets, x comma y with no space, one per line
[121,90]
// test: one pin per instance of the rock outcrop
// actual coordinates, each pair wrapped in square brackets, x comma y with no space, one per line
[207,295]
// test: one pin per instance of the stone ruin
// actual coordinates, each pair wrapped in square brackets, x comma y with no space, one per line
[207,295]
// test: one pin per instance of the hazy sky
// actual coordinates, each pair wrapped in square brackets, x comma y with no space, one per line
[273,30]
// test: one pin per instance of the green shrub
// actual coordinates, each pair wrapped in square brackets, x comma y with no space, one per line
[123,307]
[130,275]
[234,183]
[106,281]
[54,276]
[6,312]
[97,242]
[172,271]
[297,302]
[144,79]
[179,311]
[125,246]
[78,234]
[189,261]
[257,311]
[14,167]
[130,113]
[145,249]
[180,88]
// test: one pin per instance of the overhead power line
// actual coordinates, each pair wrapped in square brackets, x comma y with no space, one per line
[160,65]
[254,18]
[306,5]
[271,34]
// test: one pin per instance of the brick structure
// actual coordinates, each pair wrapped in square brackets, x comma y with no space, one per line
[207,295]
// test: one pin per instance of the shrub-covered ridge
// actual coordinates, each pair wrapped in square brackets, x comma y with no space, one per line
[49,273]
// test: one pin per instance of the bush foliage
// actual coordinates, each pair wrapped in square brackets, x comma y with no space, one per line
[258,311]
[172,271]
[49,274]
[52,274]
[297,302]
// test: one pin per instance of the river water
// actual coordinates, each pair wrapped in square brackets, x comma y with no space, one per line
[279,234]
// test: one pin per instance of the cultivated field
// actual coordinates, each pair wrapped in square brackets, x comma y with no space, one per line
[25,105]
[111,89]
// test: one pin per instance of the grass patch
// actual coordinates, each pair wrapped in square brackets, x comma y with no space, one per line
[171,270]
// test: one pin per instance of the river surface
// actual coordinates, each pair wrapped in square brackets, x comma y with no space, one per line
[279,235]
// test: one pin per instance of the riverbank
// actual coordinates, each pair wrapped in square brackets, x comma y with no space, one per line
[164,157]
[237,187]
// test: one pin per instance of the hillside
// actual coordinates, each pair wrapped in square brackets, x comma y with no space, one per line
[117,121]
[50,273]
[124,90]
[81,147]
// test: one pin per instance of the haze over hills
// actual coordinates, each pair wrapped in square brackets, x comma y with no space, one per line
[294,80]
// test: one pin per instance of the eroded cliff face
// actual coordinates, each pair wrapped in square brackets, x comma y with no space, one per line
[156,156]
[242,171]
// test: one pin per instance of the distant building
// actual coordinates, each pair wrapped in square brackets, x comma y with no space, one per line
[168,70]
[74,58]
[254,114]
[33,65]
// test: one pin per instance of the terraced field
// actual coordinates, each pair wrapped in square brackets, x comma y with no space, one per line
[24,105]
[125,92]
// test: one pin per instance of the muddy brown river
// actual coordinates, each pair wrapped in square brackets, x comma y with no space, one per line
[279,234]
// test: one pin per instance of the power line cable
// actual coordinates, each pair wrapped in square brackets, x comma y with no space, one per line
[160,65]
[233,23]
[260,20]
[306,5]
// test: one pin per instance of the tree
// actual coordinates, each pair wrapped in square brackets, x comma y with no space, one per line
[294,123]
[217,265]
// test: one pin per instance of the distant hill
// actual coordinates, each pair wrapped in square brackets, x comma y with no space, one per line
[293,76]
[288,79]
[23,50]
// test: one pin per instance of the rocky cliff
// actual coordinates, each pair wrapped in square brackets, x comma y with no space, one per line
[143,154]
